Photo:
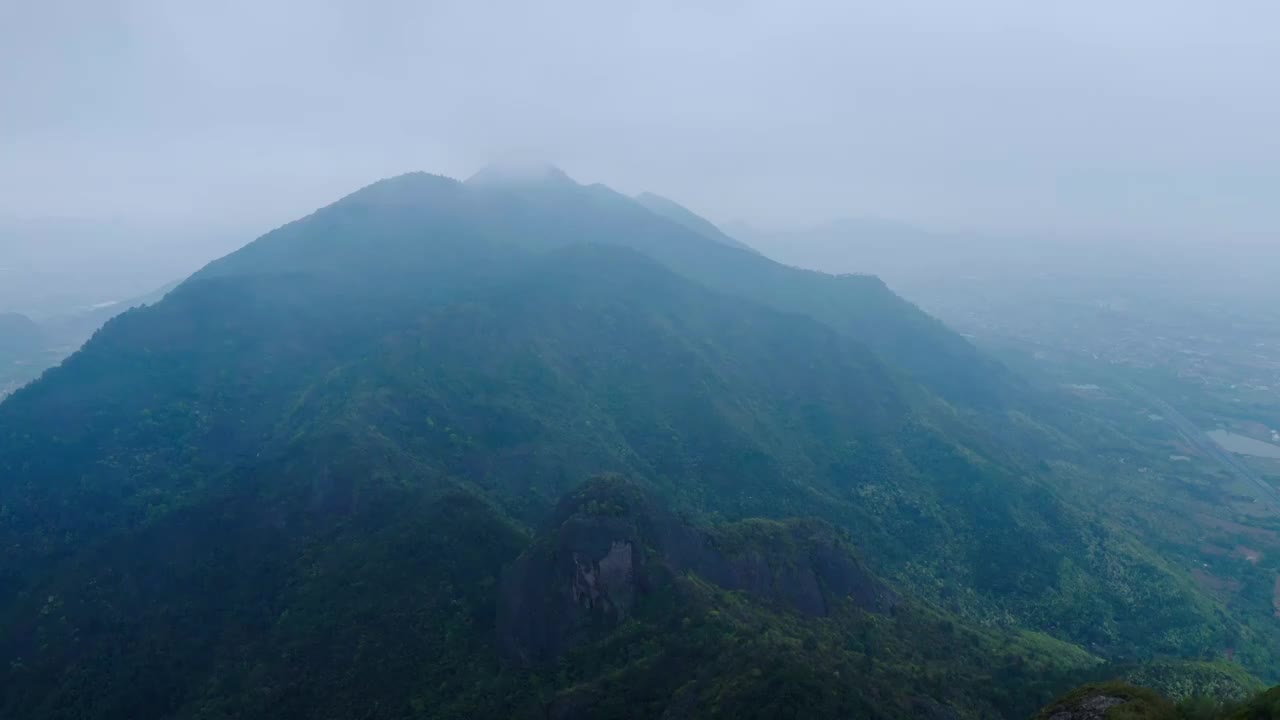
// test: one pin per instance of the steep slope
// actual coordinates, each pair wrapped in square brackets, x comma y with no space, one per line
[597,359]
[266,601]
[647,615]
[347,375]
[612,549]
[1264,707]
[587,366]
[27,349]
[859,306]
[681,215]
[72,329]
[280,601]
[592,360]
[398,229]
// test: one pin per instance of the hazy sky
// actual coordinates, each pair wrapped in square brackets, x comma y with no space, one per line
[1134,118]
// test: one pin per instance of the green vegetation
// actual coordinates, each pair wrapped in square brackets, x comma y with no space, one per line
[1183,680]
[294,487]
[1116,700]
[1263,707]
[1113,701]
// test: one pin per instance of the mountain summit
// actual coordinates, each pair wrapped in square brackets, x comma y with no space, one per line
[518,173]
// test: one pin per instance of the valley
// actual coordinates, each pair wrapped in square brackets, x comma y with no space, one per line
[1193,398]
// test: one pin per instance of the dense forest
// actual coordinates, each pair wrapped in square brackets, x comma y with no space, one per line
[537,449]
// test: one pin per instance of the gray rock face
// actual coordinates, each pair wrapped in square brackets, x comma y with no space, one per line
[610,546]
[1090,708]
[581,579]
[610,580]
[1102,700]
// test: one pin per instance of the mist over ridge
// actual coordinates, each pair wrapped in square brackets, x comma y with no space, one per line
[666,361]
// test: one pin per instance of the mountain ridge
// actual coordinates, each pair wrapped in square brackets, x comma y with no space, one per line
[675,212]
[428,365]
[473,222]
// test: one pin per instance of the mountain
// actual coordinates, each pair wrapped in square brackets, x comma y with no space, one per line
[494,216]
[28,348]
[58,266]
[647,614]
[681,215]
[23,351]
[75,328]
[19,335]
[340,472]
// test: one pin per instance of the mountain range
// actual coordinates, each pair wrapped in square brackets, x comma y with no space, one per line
[522,447]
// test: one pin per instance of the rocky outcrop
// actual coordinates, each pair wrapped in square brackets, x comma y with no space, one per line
[1096,702]
[1094,707]
[610,548]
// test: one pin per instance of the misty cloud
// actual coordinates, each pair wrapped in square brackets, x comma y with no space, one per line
[1142,119]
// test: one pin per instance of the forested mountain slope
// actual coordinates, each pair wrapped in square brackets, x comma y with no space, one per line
[422,223]
[292,485]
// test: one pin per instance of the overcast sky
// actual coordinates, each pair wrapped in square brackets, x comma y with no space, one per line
[1091,118]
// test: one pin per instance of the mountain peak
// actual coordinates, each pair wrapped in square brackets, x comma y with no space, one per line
[510,173]
[408,188]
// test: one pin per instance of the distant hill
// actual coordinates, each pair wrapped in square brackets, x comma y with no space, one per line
[19,335]
[23,351]
[55,267]
[70,330]
[28,348]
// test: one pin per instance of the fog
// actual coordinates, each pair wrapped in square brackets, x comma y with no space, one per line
[1093,124]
